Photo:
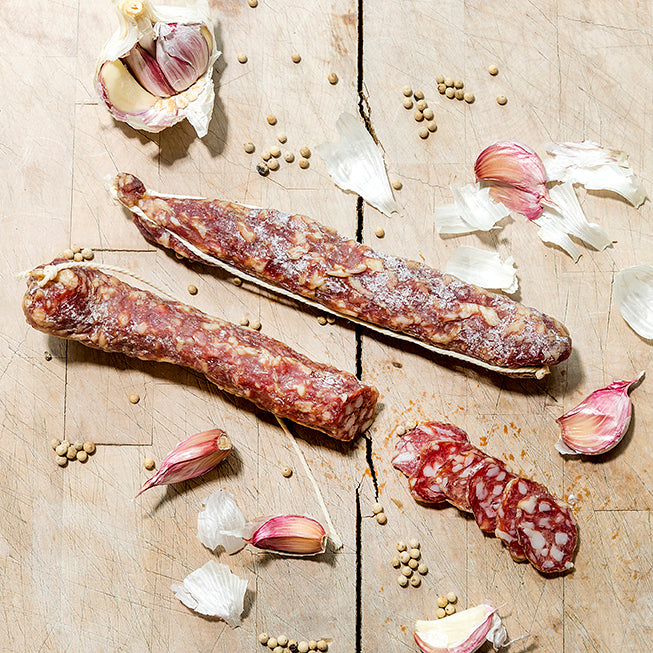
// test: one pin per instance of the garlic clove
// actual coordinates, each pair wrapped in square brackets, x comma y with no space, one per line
[191,458]
[461,632]
[121,92]
[182,52]
[146,70]
[599,422]
[212,590]
[289,534]
[516,176]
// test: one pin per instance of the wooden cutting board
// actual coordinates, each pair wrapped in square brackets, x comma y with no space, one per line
[86,568]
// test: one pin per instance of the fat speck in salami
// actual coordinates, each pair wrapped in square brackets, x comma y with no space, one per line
[99,310]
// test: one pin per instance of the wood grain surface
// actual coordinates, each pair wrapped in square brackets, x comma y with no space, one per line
[86,568]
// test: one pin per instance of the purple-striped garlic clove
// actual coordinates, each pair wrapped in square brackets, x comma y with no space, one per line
[289,534]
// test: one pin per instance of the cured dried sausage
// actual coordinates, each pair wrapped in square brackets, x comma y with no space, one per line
[453,477]
[301,258]
[409,446]
[547,533]
[484,492]
[101,311]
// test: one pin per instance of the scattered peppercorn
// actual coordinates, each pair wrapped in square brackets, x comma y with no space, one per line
[428,113]
[421,105]
[418,115]
[305,152]
[87,254]
[303,164]
[286,471]
[68,253]
[331,319]
[415,581]
[149,464]
[76,248]
[422,569]
[78,445]
[321,320]
[413,564]
[54,443]
[379,232]
[272,642]
[249,147]
[395,562]
[71,452]
[242,57]
[442,89]
[292,645]
[263,638]
[413,543]
[282,640]
[403,581]
[396,184]
[401,430]
[252,3]
[411,425]
[289,157]
[272,119]
[415,554]
[275,151]
[192,290]
[439,79]
[448,81]
[255,324]
[407,91]
[401,546]
[266,155]
[502,99]
[459,94]
[322,645]
[493,70]
[273,164]
[440,613]
[89,447]
[377,508]
[262,168]
[296,57]
[78,258]
[244,321]
[404,557]
[441,601]
[423,132]
[82,456]
[312,644]
[458,83]
[237,281]
[408,103]
[61,449]
[469,97]
[134,398]
[407,572]
[62,461]
[282,138]
[333,78]
[302,647]
[450,609]
[381,518]
[451,597]
[450,92]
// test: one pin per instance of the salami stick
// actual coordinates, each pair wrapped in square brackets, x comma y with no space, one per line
[297,257]
[99,310]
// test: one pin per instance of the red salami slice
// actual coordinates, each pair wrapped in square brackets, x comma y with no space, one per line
[506,529]
[408,447]
[453,477]
[484,492]
[423,484]
[547,532]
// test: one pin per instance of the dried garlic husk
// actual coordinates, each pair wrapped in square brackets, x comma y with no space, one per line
[484,269]
[473,210]
[599,422]
[596,168]
[157,68]
[223,524]
[564,216]
[462,632]
[195,456]
[355,163]
[633,295]
[214,591]
[516,176]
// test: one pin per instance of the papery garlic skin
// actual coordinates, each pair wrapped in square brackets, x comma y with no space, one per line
[483,268]
[293,535]
[221,523]
[633,296]
[596,168]
[462,632]
[157,68]
[599,422]
[516,176]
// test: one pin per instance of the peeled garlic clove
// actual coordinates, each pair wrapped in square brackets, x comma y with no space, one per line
[289,534]
[599,422]
[147,71]
[182,52]
[516,175]
[461,632]
[121,92]
[214,591]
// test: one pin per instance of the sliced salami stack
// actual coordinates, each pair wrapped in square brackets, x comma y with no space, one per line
[443,466]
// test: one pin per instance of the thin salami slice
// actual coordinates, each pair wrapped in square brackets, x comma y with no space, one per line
[506,529]
[101,311]
[484,492]
[453,477]
[546,530]
[408,447]
[423,484]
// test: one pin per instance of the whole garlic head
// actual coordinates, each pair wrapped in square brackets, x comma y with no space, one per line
[157,68]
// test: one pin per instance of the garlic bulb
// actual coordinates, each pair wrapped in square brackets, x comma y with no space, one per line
[157,68]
